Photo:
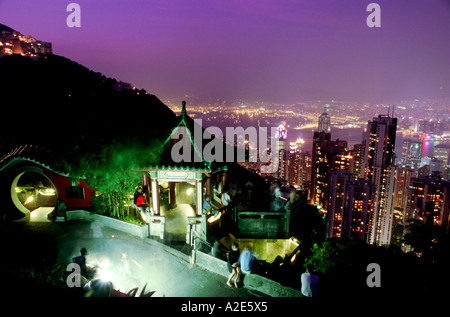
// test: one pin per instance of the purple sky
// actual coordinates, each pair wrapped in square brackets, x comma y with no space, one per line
[273,50]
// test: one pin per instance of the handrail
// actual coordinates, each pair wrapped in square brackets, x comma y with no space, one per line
[221,254]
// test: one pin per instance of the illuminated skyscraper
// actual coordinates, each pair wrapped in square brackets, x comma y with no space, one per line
[349,206]
[339,180]
[357,160]
[442,153]
[282,172]
[320,168]
[294,162]
[379,169]
[357,208]
[411,153]
[324,123]
[327,156]
[429,200]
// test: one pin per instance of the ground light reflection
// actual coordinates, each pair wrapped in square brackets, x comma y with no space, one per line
[113,280]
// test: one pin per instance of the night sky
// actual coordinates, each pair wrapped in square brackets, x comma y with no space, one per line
[271,50]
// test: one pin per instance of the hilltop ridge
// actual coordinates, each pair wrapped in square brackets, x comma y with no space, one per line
[58,104]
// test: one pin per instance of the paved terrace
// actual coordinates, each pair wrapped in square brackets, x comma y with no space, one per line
[163,272]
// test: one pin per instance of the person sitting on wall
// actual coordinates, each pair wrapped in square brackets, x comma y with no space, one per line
[246,261]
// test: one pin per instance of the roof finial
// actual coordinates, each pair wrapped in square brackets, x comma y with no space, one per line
[183,109]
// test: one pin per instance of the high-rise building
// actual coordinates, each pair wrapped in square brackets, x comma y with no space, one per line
[320,168]
[349,206]
[428,200]
[404,176]
[412,153]
[444,214]
[357,160]
[305,170]
[436,166]
[425,161]
[379,169]
[327,156]
[357,208]
[414,200]
[294,162]
[442,153]
[324,123]
[339,180]
[282,172]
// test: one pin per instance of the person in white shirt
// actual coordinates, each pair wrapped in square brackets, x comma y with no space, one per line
[226,198]
[309,282]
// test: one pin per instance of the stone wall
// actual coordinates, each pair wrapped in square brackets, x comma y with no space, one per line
[272,225]
[257,282]
[140,231]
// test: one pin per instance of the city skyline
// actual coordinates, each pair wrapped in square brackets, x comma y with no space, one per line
[267,50]
[142,130]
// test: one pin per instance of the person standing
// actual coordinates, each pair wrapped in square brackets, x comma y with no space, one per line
[309,280]
[207,205]
[225,205]
[233,266]
[226,198]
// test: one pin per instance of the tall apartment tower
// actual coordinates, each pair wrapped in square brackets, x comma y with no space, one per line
[294,166]
[379,169]
[357,160]
[327,156]
[282,172]
[320,168]
[357,207]
[349,206]
[339,180]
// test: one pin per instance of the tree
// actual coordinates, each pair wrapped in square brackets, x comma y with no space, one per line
[419,236]
[330,257]
[113,171]
[306,222]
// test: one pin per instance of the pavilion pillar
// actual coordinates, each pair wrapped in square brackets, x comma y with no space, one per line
[155,196]
[172,196]
[225,180]
[199,194]
[208,187]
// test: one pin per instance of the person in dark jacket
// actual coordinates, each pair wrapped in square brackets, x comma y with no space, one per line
[233,266]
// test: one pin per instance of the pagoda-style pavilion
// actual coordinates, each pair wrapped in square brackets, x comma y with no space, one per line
[162,182]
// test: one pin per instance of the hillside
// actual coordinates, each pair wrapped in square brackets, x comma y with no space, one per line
[61,105]
[5,28]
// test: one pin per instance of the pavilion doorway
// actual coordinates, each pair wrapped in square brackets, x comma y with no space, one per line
[178,203]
